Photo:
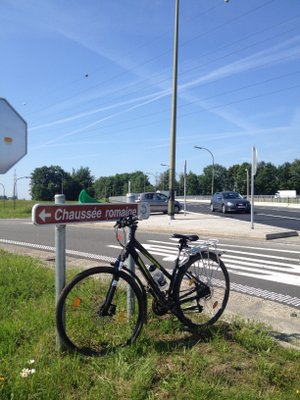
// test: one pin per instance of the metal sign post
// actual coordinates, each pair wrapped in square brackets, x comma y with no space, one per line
[60,263]
[130,296]
[253,173]
[184,186]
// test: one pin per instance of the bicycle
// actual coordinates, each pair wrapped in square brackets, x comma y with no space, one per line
[105,307]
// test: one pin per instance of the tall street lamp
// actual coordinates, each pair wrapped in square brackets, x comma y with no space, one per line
[15,186]
[247,176]
[173,120]
[62,181]
[213,167]
[3,194]
[155,178]
[164,174]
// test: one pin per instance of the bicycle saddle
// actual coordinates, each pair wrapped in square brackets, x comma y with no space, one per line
[188,238]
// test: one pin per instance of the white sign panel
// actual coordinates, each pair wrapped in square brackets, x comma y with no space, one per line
[13,136]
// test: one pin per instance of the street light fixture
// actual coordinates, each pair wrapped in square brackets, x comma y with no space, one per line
[213,167]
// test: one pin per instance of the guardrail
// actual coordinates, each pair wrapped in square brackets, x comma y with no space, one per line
[257,199]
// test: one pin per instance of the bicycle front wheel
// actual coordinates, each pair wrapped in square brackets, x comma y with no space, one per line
[90,325]
[201,290]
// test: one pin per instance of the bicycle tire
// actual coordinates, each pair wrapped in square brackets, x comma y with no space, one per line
[80,324]
[201,291]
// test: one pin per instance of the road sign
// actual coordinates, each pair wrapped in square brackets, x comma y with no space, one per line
[45,214]
[13,136]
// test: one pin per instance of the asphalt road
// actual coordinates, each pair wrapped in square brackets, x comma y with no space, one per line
[283,217]
[266,269]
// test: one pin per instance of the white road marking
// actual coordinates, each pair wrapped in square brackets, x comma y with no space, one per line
[278,216]
[287,273]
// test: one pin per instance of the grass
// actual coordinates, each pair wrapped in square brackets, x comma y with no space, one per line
[230,361]
[17,209]
[21,208]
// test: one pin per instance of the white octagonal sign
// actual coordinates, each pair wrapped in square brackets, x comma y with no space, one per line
[13,136]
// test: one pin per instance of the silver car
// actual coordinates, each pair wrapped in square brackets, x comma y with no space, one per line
[229,201]
[158,202]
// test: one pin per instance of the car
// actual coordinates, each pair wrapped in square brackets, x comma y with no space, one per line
[229,201]
[158,202]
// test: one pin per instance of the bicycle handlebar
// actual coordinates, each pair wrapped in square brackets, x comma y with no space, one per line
[126,222]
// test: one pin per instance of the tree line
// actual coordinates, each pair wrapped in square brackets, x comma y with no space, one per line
[48,181]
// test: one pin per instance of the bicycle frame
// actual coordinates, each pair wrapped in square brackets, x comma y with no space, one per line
[132,248]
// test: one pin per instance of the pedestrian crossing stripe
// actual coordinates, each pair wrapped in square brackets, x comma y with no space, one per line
[252,291]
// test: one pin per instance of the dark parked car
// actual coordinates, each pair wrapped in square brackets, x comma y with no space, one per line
[158,202]
[229,201]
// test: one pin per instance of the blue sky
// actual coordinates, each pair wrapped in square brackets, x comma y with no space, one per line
[93,80]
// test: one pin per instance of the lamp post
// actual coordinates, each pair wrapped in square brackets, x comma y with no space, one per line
[173,120]
[3,194]
[247,176]
[168,166]
[15,186]
[155,178]
[62,181]
[213,167]
[184,186]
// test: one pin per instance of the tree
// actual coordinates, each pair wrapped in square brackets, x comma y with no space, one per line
[78,180]
[163,180]
[283,175]
[237,177]
[221,179]
[139,181]
[232,174]
[84,179]
[46,182]
[103,187]
[244,178]
[294,181]
[192,184]
[265,179]
[120,184]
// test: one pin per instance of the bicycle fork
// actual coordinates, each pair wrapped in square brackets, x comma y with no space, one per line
[108,308]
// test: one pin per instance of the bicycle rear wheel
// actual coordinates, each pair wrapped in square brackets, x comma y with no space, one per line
[83,322]
[201,291]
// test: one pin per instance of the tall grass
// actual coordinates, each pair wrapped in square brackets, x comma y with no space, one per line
[229,361]
[20,208]
[16,209]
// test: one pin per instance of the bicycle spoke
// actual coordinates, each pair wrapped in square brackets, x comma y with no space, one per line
[91,329]
[202,291]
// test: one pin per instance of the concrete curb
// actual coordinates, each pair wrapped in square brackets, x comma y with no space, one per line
[278,235]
